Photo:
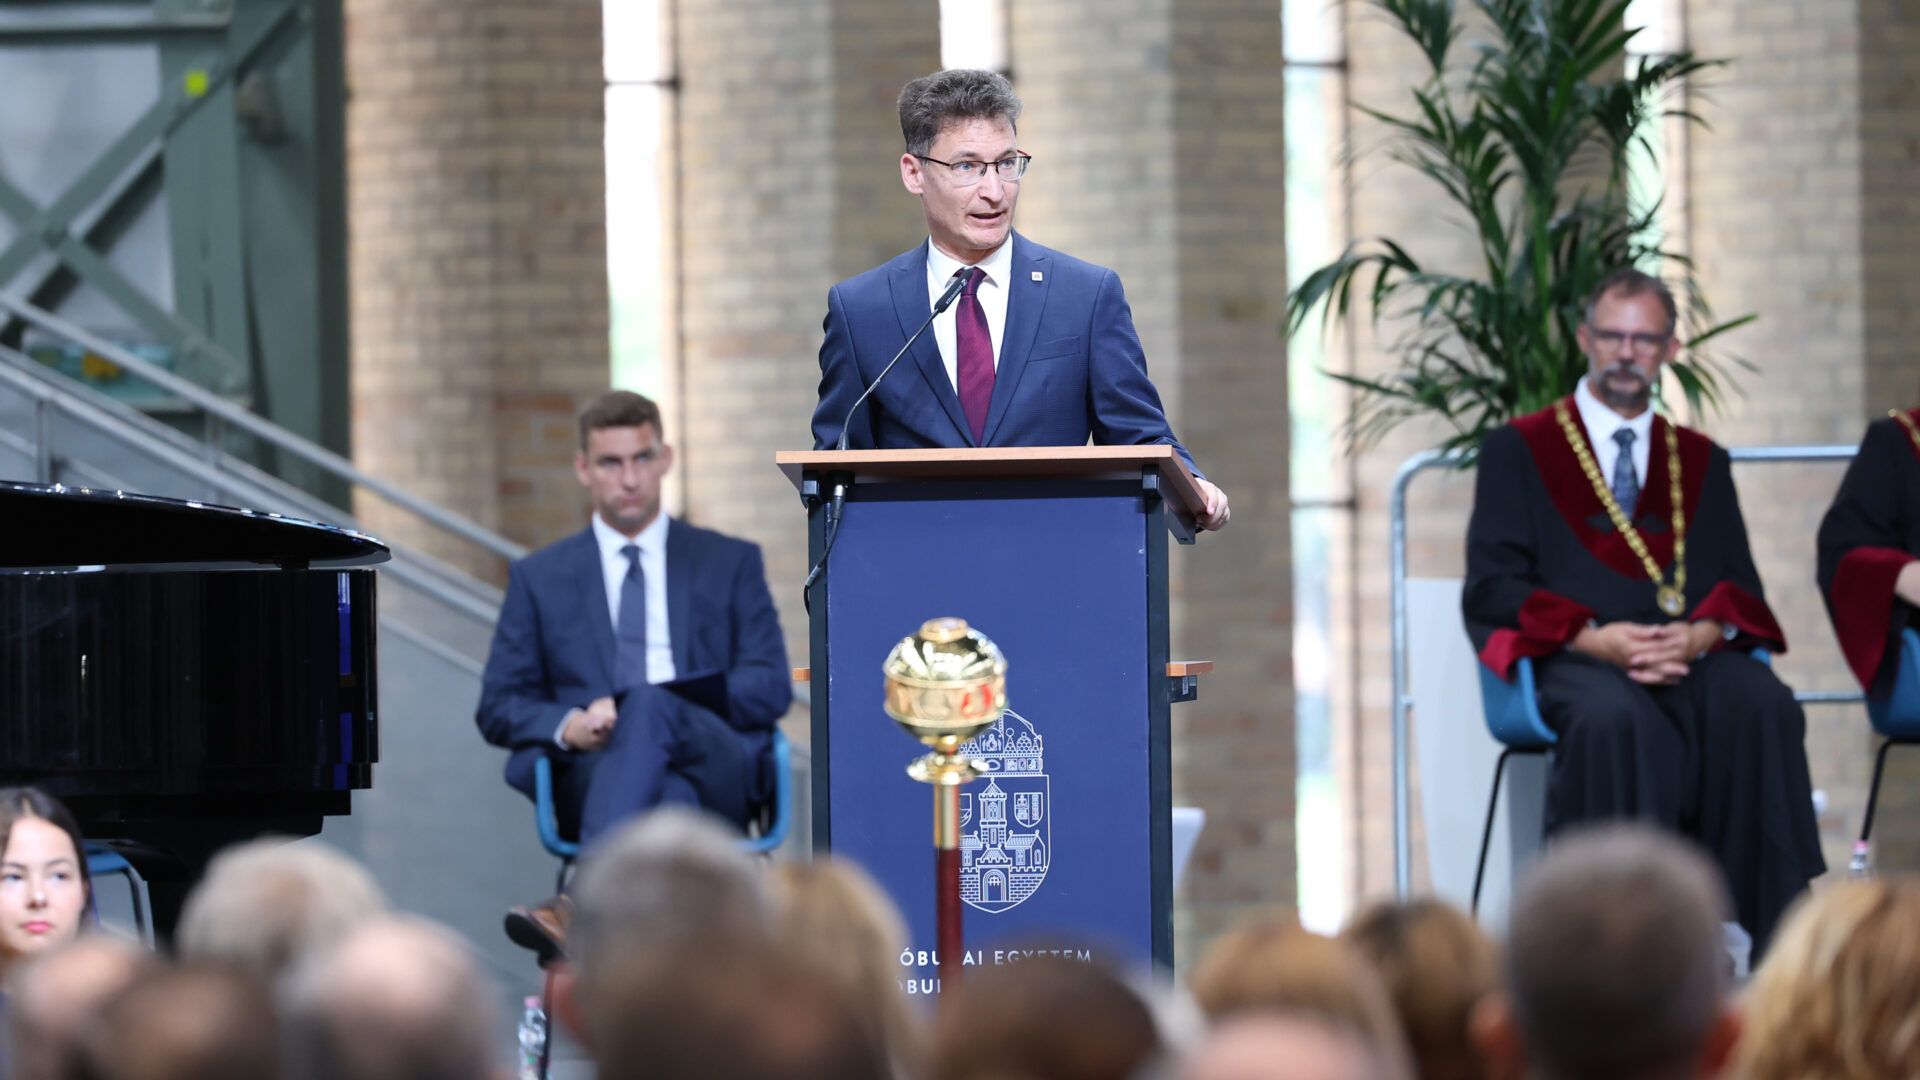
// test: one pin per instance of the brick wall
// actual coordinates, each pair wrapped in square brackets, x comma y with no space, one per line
[789,182]
[477,250]
[1155,126]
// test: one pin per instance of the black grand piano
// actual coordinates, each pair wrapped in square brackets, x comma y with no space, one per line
[184,676]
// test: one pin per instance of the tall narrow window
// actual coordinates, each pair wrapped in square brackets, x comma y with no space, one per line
[639,111]
[1315,119]
[973,34]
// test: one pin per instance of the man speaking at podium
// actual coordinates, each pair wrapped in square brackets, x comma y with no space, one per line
[1029,346]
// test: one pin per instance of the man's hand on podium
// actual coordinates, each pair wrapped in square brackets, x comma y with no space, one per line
[1217,512]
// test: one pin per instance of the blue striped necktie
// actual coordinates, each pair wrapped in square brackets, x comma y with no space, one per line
[630,666]
[1626,482]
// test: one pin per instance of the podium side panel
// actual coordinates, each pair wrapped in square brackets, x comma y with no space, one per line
[1057,846]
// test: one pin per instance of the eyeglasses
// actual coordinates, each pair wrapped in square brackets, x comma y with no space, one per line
[969,173]
[1641,343]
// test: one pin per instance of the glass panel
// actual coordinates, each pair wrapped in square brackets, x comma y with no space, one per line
[636,251]
[1658,23]
[633,50]
[1315,231]
[973,34]
[1311,31]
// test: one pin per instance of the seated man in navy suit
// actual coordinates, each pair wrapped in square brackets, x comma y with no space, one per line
[642,654]
[1039,349]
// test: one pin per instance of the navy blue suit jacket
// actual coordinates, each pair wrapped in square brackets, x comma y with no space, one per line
[553,648]
[1071,366]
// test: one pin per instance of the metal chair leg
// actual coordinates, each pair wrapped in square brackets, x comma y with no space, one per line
[1486,833]
[1873,791]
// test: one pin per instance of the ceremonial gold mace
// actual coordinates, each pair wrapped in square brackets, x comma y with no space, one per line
[945,685]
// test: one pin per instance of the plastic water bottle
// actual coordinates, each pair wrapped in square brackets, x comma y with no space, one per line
[533,1039]
[1861,865]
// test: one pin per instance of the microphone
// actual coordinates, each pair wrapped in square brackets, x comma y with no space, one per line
[946,300]
[839,501]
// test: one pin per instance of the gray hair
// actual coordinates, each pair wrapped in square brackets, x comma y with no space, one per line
[670,875]
[266,903]
[928,104]
[1615,963]
[1630,282]
[400,998]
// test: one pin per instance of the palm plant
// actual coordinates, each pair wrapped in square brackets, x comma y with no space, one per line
[1533,140]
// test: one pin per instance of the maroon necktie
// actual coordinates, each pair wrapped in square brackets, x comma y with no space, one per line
[973,368]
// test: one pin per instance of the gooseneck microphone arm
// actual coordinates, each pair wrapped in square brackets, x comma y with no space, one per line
[839,499]
[946,301]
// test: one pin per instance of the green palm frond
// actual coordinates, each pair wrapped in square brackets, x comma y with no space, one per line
[1530,135]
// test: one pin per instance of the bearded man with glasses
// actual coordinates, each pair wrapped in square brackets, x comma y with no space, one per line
[1038,350]
[1607,547]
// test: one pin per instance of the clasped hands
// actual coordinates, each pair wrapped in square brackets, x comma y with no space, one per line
[1656,654]
[589,729]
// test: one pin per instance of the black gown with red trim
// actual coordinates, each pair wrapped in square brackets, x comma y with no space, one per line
[1721,756]
[1870,533]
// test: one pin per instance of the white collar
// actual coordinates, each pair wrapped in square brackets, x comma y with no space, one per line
[998,263]
[651,539]
[1601,421]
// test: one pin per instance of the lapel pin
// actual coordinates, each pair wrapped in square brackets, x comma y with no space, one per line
[1038,276]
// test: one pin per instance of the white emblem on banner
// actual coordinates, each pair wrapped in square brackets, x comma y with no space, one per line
[1005,841]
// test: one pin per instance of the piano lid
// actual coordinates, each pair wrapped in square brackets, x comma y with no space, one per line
[59,526]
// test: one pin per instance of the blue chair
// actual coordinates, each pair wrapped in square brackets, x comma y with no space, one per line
[103,862]
[1513,719]
[776,819]
[1896,718]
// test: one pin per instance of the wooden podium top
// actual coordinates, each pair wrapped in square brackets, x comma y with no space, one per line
[998,462]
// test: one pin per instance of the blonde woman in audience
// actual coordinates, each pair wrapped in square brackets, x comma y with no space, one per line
[1275,965]
[1436,965]
[265,904]
[831,914]
[1836,998]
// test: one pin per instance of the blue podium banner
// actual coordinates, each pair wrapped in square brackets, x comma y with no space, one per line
[1057,843]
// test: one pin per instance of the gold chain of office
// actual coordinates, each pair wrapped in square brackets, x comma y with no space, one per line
[1671,598]
[1906,421]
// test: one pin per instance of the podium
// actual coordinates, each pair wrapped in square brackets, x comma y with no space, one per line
[1059,554]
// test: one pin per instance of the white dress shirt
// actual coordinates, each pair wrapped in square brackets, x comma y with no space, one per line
[1601,422]
[613,569]
[993,301]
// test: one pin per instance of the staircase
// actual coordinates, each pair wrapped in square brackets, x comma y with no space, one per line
[439,828]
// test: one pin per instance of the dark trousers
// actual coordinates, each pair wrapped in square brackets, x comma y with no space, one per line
[1720,758]
[663,750]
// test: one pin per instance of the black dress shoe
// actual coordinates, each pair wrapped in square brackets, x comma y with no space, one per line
[542,928]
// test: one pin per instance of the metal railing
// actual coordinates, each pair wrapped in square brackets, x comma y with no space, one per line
[236,482]
[243,419]
[1403,700]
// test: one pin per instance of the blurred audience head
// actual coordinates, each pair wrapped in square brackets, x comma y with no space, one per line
[400,998]
[265,904]
[1045,1018]
[1615,964]
[671,878]
[52,998]
[191,1022]
[1276,965]
[831,915]
[1836,997]
[735,1010]
[1436,965]
[1260,1045]
[44,887]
